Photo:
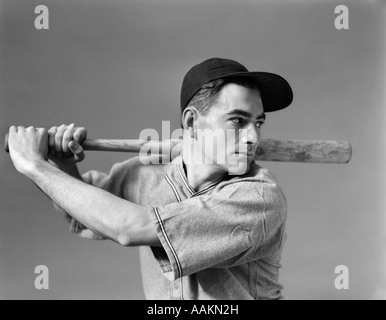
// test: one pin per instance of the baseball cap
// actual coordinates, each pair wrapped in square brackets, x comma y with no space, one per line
[275,91]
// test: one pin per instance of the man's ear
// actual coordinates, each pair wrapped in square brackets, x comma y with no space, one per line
[190,117]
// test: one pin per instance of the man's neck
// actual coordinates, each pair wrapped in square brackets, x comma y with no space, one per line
[201,176]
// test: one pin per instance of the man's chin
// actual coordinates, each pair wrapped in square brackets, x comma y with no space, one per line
[239,167]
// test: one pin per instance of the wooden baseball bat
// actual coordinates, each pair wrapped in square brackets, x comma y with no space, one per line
[306,151]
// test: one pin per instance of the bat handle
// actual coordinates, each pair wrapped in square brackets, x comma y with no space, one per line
[6,146]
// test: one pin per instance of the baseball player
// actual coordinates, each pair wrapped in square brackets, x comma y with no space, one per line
[206,230]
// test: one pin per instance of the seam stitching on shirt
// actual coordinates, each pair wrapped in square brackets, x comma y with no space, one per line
[184,181]
[204,190]
[173,187]
[168,242]
[264,208]
[264,211]
[182,289]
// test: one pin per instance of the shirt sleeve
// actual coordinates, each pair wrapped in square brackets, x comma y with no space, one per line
[242,222]
[114,182]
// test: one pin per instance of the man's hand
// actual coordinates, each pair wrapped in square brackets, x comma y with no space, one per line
[27,146]
[65,148]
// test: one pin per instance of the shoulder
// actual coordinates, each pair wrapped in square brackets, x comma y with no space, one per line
[258,182]
[256,175]
[136,169]
[125,166]
[261,174]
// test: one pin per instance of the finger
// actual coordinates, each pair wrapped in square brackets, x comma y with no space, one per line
[51,139]
[12,129]
[67,137]
[58,140]
[75,147]
[80,135]
[42,131]
[77,150]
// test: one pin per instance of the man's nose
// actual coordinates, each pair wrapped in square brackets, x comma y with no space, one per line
[253,135]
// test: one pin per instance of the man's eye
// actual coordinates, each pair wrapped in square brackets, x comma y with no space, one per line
[237,120]
[259,124]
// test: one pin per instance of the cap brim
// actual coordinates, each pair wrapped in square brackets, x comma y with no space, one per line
[275,91]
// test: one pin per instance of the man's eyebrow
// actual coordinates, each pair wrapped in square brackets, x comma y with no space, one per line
[246,114]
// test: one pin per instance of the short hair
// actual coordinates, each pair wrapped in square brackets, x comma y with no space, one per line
[208,94]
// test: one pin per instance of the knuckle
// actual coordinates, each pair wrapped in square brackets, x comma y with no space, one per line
[68,135]
[80,133]
[81,130]
[52,130]
[67,132]
[58,139]
[60,131]
[77,136]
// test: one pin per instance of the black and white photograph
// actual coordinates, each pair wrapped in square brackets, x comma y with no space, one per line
[193,150]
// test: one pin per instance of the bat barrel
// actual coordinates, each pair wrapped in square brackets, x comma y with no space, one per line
[310,151]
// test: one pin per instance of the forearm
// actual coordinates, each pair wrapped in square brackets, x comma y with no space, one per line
[71,170]
[103,213]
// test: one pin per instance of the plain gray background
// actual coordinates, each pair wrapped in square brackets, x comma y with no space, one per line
[116,68]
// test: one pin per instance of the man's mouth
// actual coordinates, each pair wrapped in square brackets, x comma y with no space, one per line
[247,154]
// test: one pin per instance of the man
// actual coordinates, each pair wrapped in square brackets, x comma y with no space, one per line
[210,229]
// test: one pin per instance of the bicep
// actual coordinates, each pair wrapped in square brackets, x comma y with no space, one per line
[141,230]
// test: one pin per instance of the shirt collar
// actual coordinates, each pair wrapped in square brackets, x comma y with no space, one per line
[176,173]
